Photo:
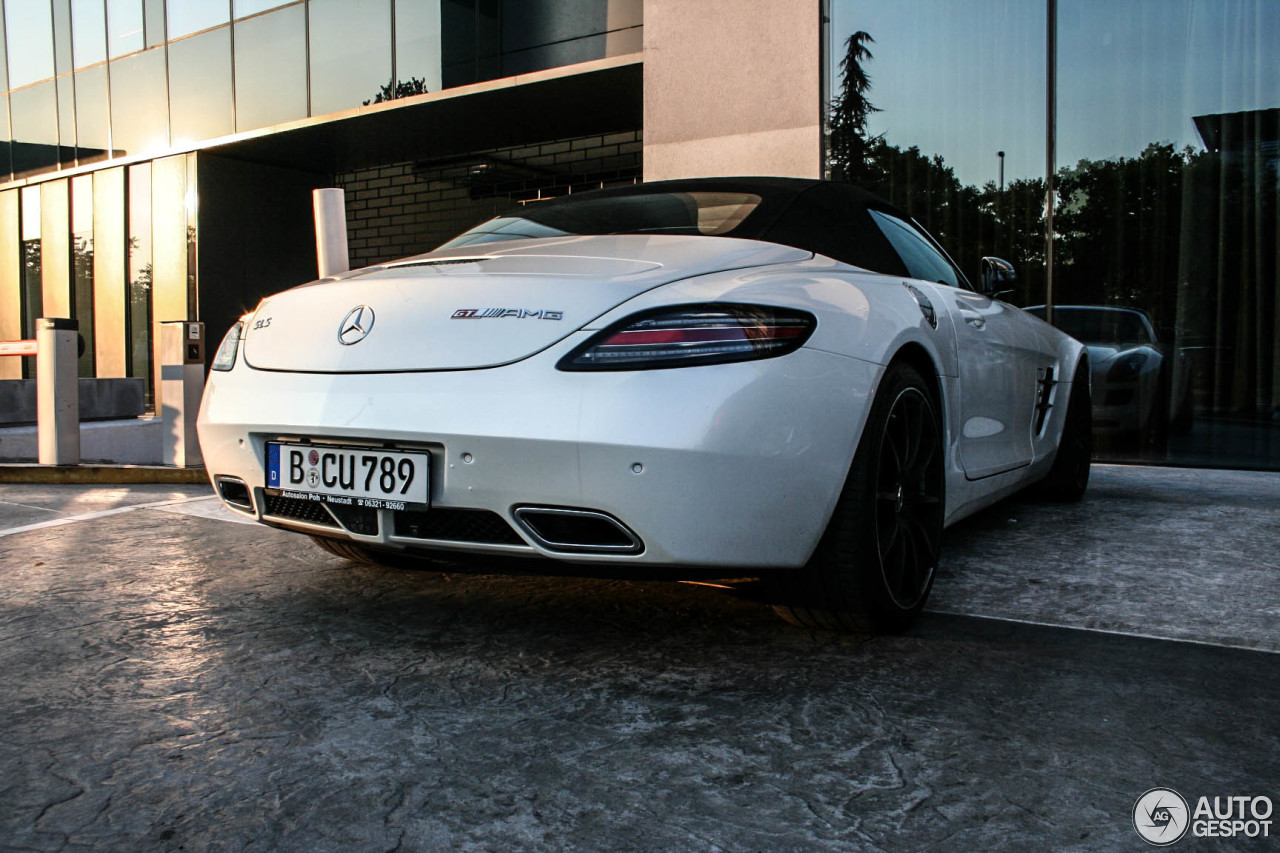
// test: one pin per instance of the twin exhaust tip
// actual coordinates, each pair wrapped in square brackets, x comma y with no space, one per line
[577,531]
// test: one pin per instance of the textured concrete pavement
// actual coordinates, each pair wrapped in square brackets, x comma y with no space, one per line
[173,681]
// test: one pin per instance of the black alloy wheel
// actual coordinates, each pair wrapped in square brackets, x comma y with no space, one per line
[874,567]
[908,505]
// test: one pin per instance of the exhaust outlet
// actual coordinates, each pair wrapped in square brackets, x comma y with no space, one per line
[577,531]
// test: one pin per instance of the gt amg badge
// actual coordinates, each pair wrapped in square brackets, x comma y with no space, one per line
[493,313]
[355,327]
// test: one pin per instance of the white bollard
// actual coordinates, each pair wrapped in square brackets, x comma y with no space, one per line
[58,391]
[331,231]
[181,384]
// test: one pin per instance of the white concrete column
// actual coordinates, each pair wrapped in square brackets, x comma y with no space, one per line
[330,206]
[732,87]
[58,391]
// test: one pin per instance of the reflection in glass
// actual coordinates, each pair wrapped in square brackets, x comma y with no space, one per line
[153,22]
[34,113]
[918,117]
[470,41]
[82,267]
[244,8]
[1169,149]
[88,32]
[138,319]
[200,86]
[418,42]
[192,16]
[61,36]
[139,104]
[124,27]
[6,153]
[271,69]
[29,39]
[350,52]
[32,280]
[66,116]
[91,114]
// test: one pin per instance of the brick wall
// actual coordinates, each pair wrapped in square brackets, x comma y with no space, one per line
[404,209]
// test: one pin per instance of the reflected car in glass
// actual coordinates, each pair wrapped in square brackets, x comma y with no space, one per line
[1141,386]
[740,377]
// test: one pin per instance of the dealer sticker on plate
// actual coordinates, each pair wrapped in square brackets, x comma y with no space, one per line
[351,476]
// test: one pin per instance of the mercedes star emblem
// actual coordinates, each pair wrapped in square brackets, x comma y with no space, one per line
[356,325]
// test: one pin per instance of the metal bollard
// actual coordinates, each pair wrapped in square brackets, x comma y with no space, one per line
[57,391]
[181,384]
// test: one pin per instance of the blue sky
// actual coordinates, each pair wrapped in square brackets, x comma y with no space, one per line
[966,78]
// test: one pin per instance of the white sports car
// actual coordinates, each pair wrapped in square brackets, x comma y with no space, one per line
[723,377]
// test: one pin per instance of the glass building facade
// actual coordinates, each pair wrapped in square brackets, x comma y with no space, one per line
[111,111]
[1161,157]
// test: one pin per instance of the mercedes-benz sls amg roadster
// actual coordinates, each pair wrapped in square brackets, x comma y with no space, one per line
[739,377]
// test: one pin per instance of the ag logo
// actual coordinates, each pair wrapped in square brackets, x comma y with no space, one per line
[1161,816]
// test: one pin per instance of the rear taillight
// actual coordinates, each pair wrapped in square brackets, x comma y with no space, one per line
[691,335]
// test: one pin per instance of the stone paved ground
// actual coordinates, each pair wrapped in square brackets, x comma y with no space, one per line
[173,681]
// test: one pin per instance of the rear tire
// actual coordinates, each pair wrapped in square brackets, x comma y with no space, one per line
[874,567]
[1068,479]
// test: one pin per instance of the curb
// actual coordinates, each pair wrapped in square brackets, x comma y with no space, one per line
[101,474]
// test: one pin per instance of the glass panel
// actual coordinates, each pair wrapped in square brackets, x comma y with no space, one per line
[82,266]
[271,69]
[66,116]
[953,136]
[61,36]
[138,320]
[32,280]
[1168,148]
[538,34]
[35,128]
[91,114]
[88,32]
[418,45]
[29,39]
[470,41]
[124,27]
[153,22]
[200,86]
[192,16]
[139,104]
[4,65]
[350,53]
[244,8]
[6,144]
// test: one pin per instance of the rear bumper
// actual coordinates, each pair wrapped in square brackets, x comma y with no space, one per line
[730,465]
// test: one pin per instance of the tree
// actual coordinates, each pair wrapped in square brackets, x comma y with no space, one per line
[849,144]
[400,89]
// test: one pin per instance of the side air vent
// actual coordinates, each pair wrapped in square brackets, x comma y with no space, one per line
[578,530]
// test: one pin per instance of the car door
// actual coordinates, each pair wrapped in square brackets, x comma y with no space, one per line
[996,354]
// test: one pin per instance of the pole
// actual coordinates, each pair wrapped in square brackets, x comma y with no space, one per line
[57,391]
[331,231]
[1051,142]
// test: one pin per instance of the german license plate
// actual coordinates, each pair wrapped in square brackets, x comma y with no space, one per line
[350,476]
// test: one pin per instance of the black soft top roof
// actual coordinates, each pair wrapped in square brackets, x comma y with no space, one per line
[824,217]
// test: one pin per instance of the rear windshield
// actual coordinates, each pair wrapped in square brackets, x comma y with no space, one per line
[706,213]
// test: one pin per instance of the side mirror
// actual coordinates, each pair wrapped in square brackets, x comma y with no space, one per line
[997,278]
